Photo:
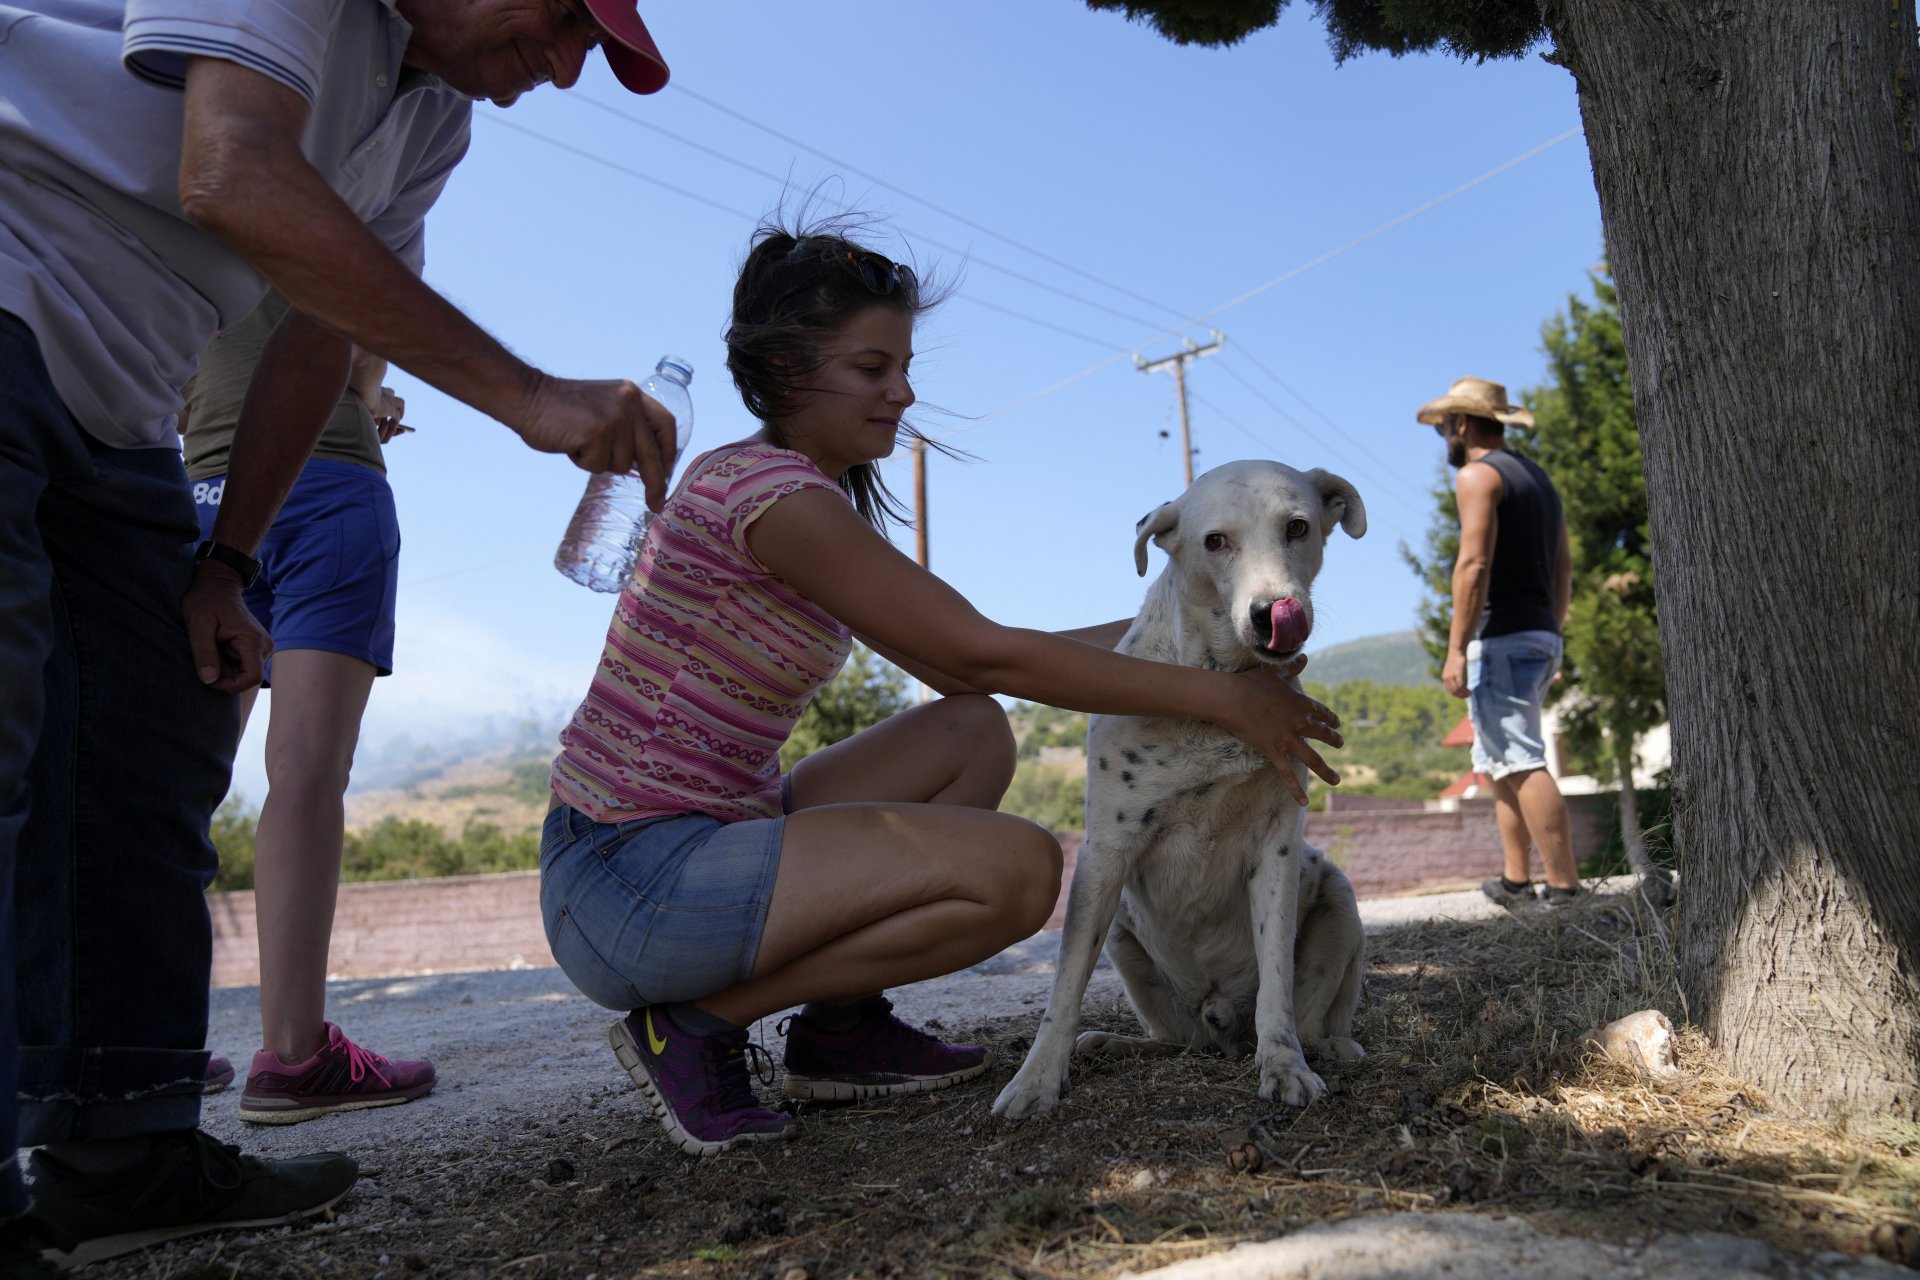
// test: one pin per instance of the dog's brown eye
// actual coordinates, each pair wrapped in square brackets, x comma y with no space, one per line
[1215,541]
[1296,528]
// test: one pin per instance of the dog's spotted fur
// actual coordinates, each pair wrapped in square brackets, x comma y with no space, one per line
[1228,929]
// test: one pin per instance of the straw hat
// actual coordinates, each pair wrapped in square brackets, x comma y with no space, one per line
[1478,397]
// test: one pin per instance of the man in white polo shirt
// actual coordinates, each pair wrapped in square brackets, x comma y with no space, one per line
[161,163]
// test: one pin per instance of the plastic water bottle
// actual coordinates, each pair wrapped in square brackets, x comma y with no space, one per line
[608,526]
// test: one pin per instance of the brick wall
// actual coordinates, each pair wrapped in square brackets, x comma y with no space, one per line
[493,922]
[403,927]
[1387,851]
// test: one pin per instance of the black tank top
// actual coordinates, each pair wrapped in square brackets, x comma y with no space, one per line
[1526,550]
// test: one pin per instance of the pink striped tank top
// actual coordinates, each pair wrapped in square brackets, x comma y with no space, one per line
[710,658]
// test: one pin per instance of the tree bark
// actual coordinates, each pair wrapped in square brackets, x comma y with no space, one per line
[1760,187]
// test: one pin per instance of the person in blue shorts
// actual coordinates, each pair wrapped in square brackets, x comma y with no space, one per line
[328,570]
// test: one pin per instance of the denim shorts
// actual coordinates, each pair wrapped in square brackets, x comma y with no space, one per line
[329,566]
[659,909]
[1507,681]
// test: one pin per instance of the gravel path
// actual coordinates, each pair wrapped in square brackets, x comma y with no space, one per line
[520,1046]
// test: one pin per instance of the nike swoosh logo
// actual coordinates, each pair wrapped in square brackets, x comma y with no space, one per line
[654,1041]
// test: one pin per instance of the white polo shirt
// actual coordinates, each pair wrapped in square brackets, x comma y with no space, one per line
[95,254]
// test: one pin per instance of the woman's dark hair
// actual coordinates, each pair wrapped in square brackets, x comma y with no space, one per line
[796,289]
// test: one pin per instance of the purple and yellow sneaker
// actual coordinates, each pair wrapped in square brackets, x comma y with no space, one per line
[698,1086]
[878,1055]
[341,1077]
[219,1075]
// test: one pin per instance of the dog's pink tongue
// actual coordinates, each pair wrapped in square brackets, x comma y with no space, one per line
[1290,626]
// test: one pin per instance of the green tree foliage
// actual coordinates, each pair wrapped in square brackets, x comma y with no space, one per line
[1393,734]
[1614,687]
[866,691]
[1049,793]
[1050,779]
[393,849]
[232,832]
[1477,29]
[1038,728]
[396,849]
[1433,565]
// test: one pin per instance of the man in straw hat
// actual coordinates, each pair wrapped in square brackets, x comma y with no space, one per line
[161,163]
[1511,585]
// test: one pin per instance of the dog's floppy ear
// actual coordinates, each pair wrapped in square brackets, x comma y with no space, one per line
[1158,521]
[1342,501]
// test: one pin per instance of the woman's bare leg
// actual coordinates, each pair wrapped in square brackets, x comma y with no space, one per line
[925,882]
[312,727]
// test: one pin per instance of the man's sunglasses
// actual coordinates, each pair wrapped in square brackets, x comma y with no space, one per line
[881,276]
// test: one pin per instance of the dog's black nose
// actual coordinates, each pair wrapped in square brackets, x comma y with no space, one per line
[1261,611]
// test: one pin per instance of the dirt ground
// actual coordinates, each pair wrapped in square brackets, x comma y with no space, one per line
[536,1158]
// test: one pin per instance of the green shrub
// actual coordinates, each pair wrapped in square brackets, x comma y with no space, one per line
[232,831]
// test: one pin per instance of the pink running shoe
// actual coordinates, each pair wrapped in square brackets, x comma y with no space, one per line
[879,1055]
[341,1077]
[219,1075]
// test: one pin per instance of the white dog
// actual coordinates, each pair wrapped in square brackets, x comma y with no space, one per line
[1226,926]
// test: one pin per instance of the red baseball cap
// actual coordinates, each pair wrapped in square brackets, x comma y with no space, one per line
[630,51]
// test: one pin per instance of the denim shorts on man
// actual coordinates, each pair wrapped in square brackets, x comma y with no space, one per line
[329,566]
[658,909]
[1507,681]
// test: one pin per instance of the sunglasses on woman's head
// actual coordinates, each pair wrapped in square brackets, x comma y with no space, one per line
[881,276]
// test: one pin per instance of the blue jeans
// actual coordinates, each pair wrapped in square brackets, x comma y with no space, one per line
[113,756]
[1507,681]
[659,909]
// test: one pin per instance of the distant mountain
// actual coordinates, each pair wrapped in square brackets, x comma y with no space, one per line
[493,772]
[1395,658]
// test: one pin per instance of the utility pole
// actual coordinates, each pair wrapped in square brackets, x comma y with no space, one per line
[920,531]
[920,501]
[1178,363]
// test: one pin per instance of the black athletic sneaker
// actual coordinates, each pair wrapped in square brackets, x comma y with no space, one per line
[186,1185]
[1552,897]
[1497,890]
[23,1249]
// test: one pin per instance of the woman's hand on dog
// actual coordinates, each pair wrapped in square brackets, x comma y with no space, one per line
[1279,721]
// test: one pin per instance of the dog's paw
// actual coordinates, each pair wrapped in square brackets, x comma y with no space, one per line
[1338,1049]
[1288,1078]
[1110,1044]
[1031,1092]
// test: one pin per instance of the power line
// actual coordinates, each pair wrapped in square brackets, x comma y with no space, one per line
[751,218]
[498,122]
[920,200]
[1385,473]
[1392,500]
[1120,354]
[1312,408]
[474,568]
[966,254]
[1278,280]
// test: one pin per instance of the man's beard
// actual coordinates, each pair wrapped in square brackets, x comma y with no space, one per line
[1456,452]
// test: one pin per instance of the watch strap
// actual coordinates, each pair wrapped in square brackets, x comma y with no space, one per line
[239,561]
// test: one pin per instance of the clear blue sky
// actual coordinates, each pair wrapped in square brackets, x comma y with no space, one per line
[1159,183]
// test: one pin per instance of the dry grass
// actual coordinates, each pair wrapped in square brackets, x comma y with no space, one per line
[1468,1101]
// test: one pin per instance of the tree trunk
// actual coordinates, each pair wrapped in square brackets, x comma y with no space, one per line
[1760,187]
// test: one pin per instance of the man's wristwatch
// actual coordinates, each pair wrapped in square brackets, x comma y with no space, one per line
[241,563]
